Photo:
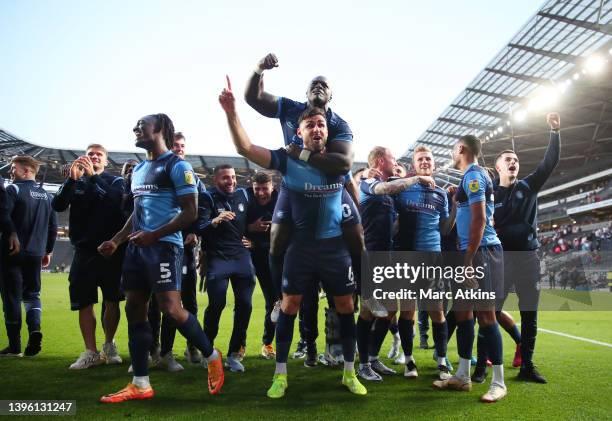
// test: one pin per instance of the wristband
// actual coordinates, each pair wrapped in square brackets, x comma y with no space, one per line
[304,155]
[258,70]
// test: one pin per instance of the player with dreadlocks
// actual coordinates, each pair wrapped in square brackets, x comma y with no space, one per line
[165,202]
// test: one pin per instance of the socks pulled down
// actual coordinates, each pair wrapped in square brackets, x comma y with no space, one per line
[140,339]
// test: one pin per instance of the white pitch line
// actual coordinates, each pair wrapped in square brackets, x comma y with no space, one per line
[578,338]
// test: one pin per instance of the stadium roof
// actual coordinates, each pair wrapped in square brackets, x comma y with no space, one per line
[560,60]
[53,159]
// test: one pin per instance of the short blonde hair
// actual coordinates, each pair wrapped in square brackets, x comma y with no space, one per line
[27,161]
[377,152]
[97,146]
[422,148]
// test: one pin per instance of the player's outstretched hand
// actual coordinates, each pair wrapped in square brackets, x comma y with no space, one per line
[142,238]
[554,121]
[268,62]
[227,100]
[427,181]
[107,248]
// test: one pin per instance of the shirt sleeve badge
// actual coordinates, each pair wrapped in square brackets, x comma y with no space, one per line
[474,186]
[189,178]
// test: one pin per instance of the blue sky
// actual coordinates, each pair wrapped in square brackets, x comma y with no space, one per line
[75,72]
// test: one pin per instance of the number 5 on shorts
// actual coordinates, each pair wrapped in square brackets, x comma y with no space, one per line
[164,271]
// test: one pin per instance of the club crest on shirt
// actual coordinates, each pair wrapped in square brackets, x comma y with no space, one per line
[189,178]
[474,186]
[241,207]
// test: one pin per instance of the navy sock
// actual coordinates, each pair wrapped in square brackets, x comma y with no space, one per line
[284,335]
[440,336]
[393,328]
[451,324]
[347,336]
[140,338]
[481,349]
[192,331]
[493,340]
[381,327]
[168,333]
[406,331]
[364,328]
[529,330]
[513,330]
[465,338]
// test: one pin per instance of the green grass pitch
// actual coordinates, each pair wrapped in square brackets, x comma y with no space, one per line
[578,374]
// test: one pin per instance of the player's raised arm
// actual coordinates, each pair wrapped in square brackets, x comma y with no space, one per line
[257,154]
[552,156]
[261,101]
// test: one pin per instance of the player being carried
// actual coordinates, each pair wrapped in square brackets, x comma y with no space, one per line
[316,249]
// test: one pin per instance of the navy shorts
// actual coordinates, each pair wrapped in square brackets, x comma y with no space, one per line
[282,210]
[90,270]
[308,262]
[156,268]
[491,259]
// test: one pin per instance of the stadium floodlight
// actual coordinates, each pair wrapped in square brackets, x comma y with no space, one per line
[594,64]
[520,115]
[500,129]
[508,123]
[561,87]
[486,137]
[576,76]
[544,97]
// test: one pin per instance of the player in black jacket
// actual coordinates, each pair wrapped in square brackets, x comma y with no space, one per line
[29,207]
[516,214]
[94,198]
[223,226]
